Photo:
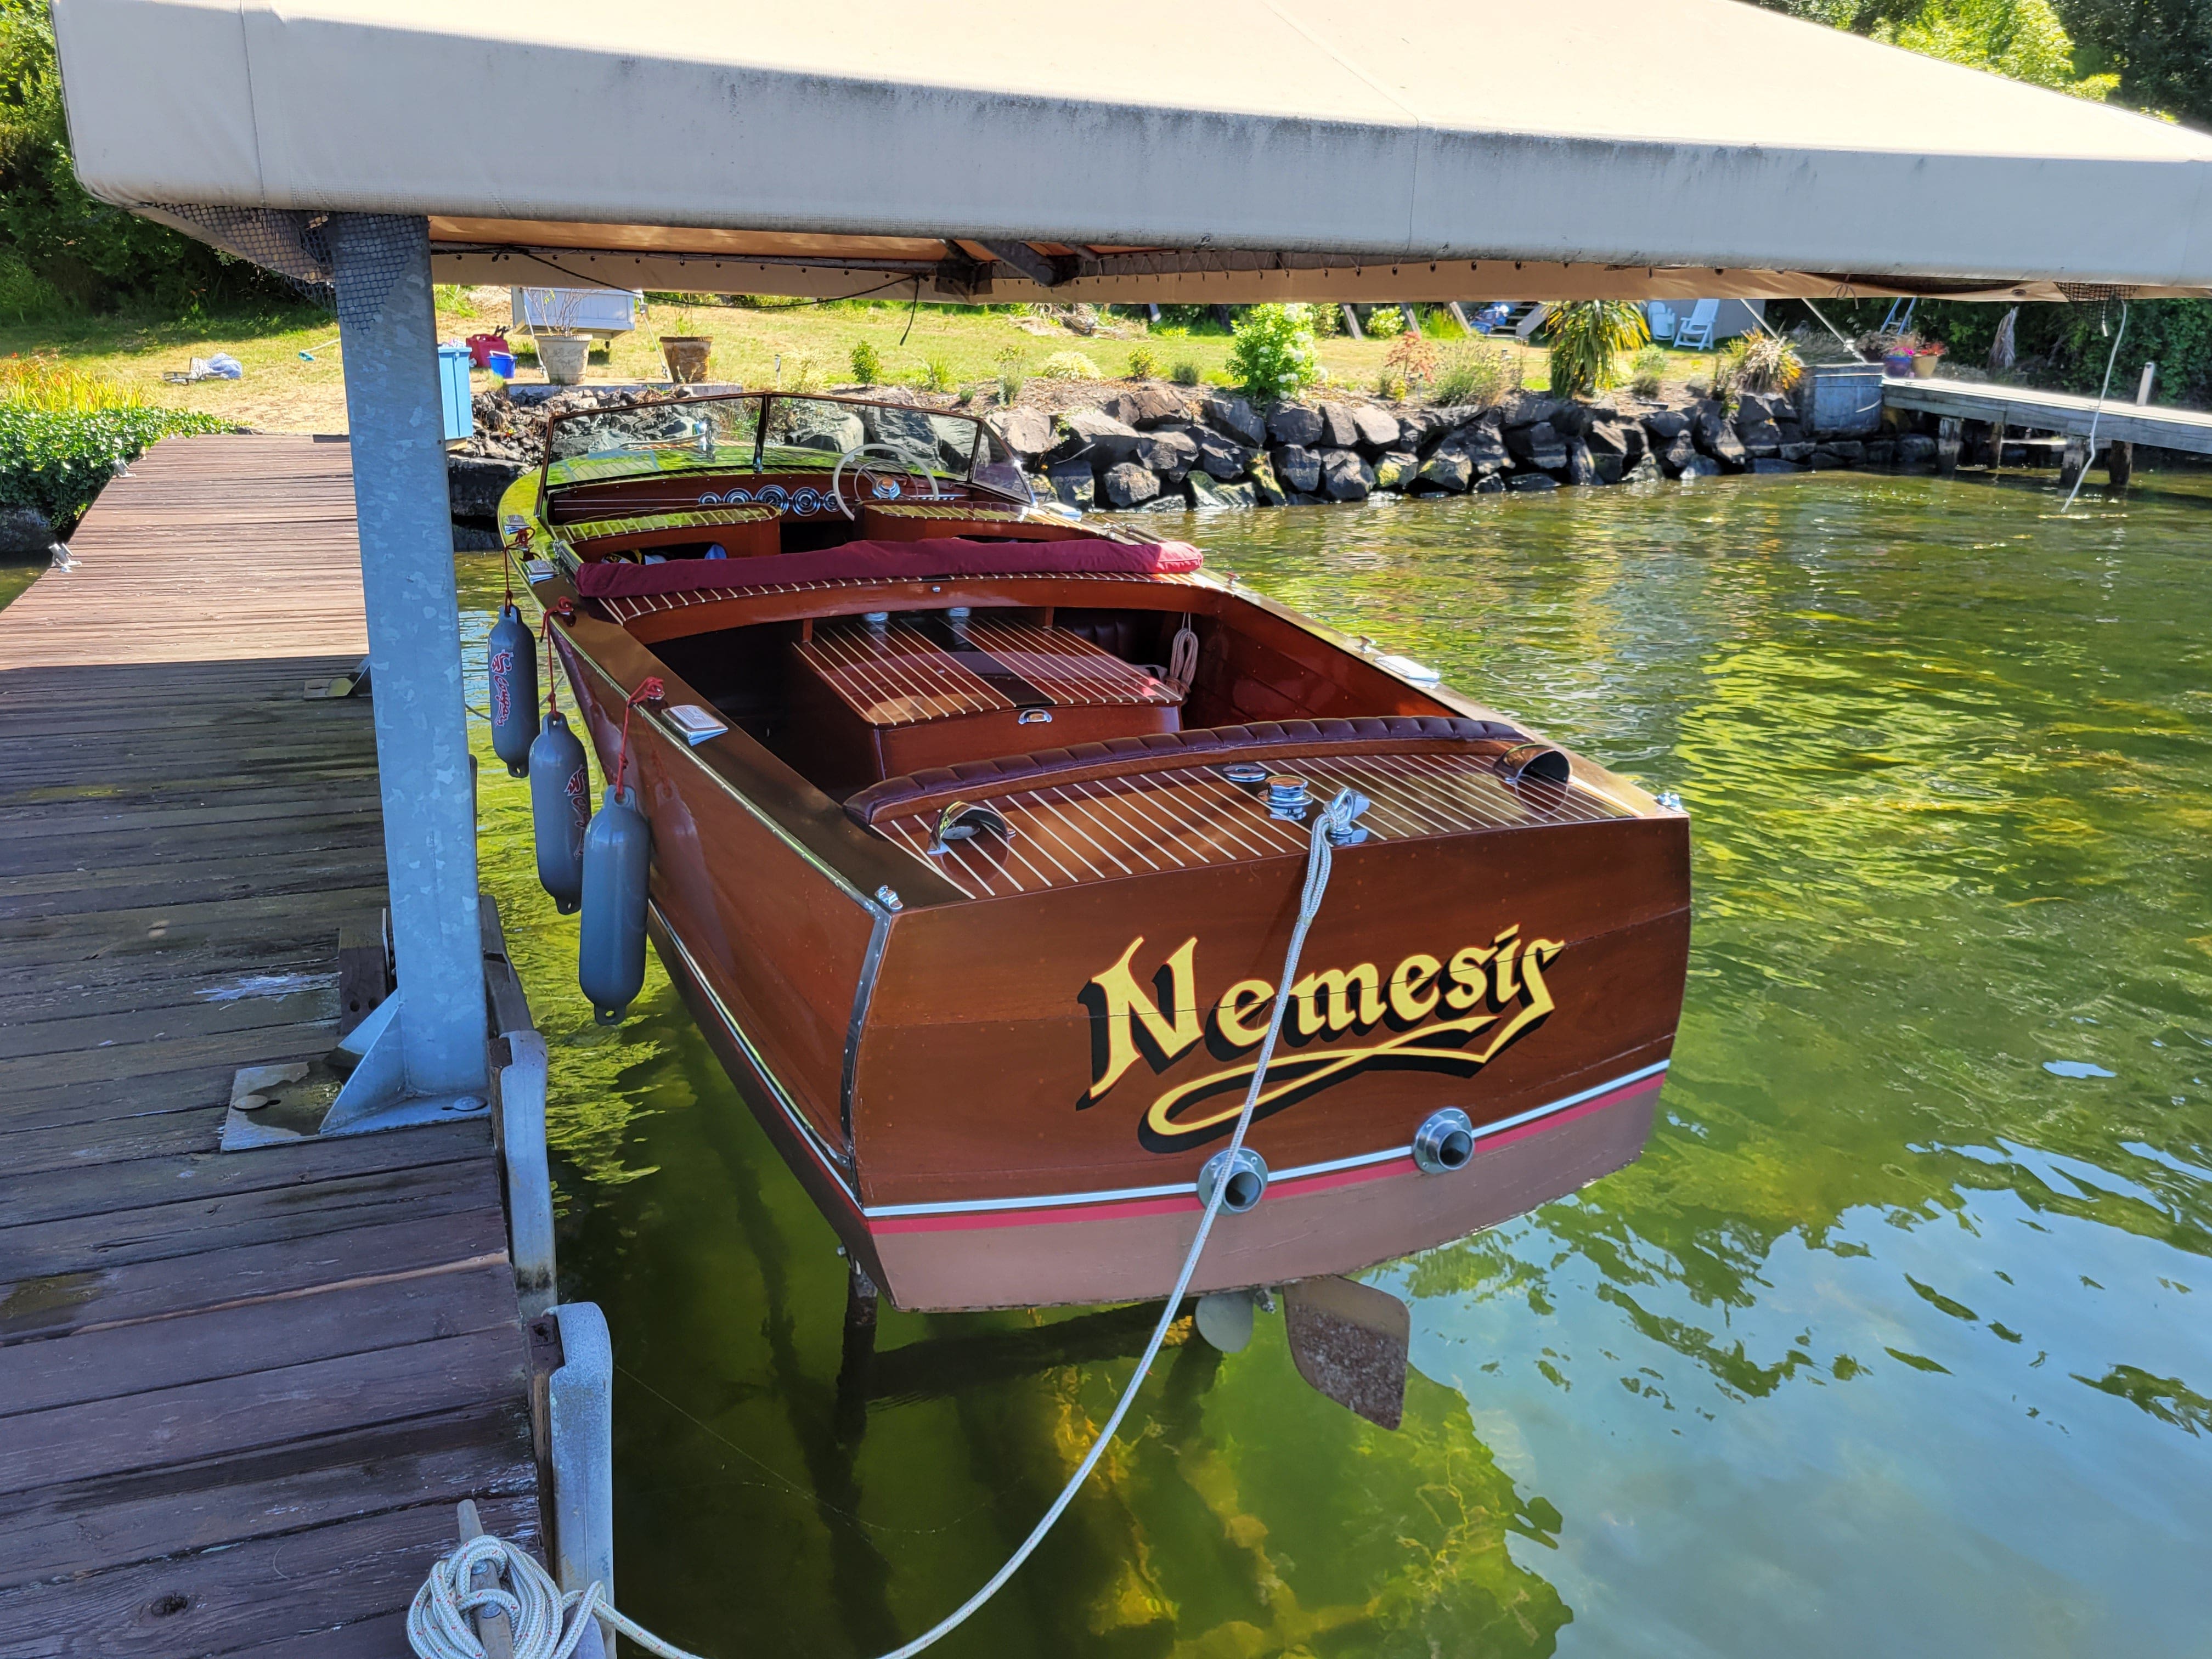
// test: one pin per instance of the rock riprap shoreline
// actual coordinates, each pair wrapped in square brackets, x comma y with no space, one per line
[1150,446]
[1166,448]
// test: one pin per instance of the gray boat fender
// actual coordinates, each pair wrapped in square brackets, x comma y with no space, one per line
[560,808]
[611,942]
[511,665]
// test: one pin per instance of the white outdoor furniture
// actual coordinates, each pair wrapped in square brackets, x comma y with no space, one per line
[1695,331]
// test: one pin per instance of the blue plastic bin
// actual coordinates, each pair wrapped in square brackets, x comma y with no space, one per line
[453,391]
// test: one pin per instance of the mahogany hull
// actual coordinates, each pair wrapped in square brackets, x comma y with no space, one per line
[990,1115]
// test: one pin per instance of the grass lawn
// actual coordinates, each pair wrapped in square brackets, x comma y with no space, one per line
[283,391]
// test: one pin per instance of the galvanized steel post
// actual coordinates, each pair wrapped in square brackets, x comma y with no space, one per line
[388,332]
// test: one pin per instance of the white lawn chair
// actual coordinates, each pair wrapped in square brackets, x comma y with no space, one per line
[1695,331]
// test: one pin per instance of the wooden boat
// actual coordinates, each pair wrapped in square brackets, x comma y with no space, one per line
[978,832]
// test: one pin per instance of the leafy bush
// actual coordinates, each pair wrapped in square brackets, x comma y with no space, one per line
[1185,372]
[1272,356]
[1647,371]
[1069,366]
[1585,336]
[1014,375]
[56,461]
[1384,323]
[937,374]
[867,364]
[1476,374]
[1144,364]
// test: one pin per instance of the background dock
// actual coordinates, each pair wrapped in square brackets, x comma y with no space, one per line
[239,1393]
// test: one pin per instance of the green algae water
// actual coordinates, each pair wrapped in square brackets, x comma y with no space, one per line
[1896,1339]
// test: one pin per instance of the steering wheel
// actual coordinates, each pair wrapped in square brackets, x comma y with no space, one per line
[882,483]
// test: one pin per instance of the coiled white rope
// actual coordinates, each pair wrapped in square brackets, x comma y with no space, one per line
[1182,657]
[547,1624]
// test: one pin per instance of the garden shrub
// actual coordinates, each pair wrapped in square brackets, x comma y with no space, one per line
[1384,323]
[1271,357]
[1069,366]
[867,364]
[1647,370]
[937,374]
[1185,372]
[1144,364]
[56,461]
[1477,375]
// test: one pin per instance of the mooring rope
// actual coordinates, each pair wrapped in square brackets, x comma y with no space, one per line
[547,1624]
[2098,413]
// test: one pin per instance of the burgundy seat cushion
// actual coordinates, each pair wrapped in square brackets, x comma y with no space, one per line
[1156,751]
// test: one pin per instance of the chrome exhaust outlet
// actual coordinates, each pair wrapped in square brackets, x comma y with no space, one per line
[1247,1180]
[1445,1142]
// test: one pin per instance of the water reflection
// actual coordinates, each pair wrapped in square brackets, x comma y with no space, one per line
[1891,1341]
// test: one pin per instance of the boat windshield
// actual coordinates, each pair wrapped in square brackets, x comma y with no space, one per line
[774,432]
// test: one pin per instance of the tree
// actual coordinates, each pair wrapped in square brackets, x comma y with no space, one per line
[59,244]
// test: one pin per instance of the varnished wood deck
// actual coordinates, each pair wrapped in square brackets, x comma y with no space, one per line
[239,1393]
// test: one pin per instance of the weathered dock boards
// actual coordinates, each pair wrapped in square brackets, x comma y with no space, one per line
[2022,409]
[239,1393]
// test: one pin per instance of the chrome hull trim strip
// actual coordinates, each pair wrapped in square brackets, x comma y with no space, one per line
[1303,1172]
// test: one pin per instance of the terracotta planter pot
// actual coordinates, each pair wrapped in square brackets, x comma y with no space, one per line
[686,355]
[562,355]
[1924,365]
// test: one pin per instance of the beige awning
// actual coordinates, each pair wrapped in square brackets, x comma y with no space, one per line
[1244,150]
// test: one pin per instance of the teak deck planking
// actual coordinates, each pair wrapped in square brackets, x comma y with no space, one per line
[239,1393]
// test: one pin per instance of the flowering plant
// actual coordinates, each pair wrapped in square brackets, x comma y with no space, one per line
[1272,356]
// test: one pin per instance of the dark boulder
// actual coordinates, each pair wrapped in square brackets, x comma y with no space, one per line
[1345,476]
[1295,423]
[1527,482]
[1538,445]
[1027,432]
[1581,470]
[1528,408]
[1074,484]
[475,485]
[1449,469]
[1665,425]
[1394,469]
[1238,418]
[1378,427]
[1717,437]
[1130,485]
[1225,460]
[1916,449]
[1095,435]
[1339,430]
[1298,467]
[1171,454]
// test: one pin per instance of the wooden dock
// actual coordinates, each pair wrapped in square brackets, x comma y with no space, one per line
[239,1393]
[2019,409]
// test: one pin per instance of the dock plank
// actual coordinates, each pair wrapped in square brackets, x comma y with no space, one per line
[239,1393]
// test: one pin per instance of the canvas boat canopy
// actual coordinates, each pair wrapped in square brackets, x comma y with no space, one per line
[1248,150]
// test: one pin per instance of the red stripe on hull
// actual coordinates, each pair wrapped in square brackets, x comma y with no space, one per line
[1331,1223]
